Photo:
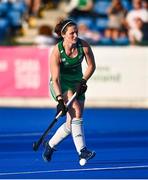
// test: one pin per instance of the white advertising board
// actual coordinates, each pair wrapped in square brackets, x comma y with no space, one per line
[121,77]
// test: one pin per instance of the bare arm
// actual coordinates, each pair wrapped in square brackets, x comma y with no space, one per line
[91,66]
[88,6]
[55,70]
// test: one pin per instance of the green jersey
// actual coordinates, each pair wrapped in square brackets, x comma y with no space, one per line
[82,3]
[70,69]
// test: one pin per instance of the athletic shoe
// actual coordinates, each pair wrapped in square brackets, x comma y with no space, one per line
[47,154]
[86,154]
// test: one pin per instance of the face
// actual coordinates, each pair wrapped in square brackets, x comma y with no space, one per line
[137,4]
[71,35]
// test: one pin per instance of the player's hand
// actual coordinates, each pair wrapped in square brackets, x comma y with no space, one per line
[82,87]
[61,107]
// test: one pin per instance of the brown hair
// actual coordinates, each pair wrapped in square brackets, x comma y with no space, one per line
[45,30]
[62,25]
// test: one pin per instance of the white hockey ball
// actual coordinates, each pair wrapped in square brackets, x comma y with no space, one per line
[82,162]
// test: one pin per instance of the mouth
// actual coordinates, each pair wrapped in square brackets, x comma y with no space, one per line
[75,39]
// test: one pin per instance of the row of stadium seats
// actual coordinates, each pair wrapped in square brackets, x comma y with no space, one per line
[97,24]
[11,16]
[99,21]
[101,6]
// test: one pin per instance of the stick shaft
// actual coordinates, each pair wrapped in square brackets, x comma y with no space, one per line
[41,139]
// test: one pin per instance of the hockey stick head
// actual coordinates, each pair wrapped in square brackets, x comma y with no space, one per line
[35,146]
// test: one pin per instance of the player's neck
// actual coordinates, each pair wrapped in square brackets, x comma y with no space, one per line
[69,46]
[70,49]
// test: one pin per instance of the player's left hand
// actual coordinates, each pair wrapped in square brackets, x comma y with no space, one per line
[61,107]
[82,87]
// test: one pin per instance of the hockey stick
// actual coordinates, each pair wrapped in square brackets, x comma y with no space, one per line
[41,139]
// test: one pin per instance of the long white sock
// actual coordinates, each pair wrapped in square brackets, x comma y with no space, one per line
[78,134]
[61,133]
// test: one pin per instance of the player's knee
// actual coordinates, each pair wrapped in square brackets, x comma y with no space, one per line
[74,112]
[68,122]
[77,109]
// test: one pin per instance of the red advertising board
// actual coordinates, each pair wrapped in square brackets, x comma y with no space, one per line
[24,72]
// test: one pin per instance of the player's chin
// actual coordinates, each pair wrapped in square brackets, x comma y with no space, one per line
[75,40]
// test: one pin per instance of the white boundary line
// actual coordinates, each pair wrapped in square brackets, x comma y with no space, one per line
[20,134]
[76,170]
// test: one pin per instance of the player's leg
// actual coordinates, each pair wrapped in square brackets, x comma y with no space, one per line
[77,126]
[62,132]
[84,152]
[77,131]
[50,146]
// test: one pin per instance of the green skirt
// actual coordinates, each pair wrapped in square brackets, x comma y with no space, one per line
[65,86]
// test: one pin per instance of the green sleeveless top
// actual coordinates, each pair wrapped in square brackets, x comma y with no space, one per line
[70,71]
[70,68]
[82,3]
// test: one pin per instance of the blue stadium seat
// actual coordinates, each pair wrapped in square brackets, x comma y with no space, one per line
[3,9]
[122,41]
[101,23]
[4,28]
[14,18]
[101,6]
[86,20]
[127,4]
[19,6]
[106,41]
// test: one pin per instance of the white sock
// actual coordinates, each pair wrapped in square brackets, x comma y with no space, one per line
[61,133]
[78,134]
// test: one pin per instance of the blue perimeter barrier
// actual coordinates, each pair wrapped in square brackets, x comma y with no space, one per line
[96,120]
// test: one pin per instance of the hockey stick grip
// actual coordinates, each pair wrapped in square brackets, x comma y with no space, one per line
[67,105]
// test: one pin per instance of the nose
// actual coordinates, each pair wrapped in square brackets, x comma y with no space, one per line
[75,35]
